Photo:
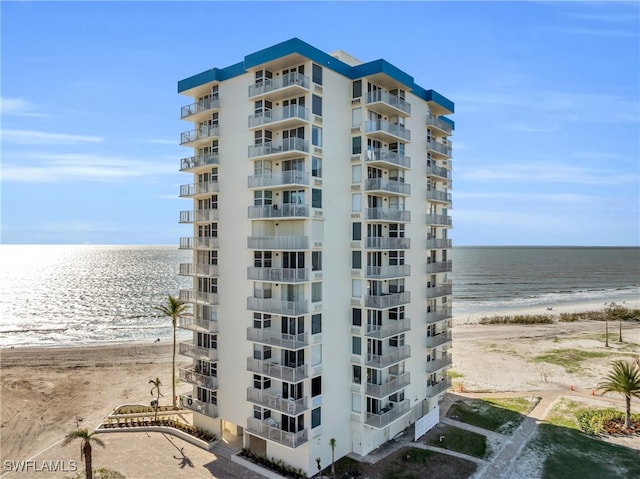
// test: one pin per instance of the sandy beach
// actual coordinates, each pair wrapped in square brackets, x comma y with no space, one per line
[46,390]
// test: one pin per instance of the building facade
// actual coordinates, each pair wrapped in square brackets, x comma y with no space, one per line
[320,191]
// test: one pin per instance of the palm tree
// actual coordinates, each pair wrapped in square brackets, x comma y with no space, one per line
[174,308]
[85,447]
[624,378]
[156,385]
[332,444]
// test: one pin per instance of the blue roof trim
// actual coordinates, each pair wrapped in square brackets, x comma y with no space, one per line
[295,45]
[449,121]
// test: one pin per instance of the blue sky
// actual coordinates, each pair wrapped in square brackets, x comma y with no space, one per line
[547,141]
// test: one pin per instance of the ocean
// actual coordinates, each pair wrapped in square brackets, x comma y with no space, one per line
[80,294]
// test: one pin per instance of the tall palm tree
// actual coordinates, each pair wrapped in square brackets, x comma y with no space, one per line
[85,447]
[332,444]
[174,308]
[624,378]
[156,385]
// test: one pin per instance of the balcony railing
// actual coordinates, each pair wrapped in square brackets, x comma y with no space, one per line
[193,351]
[196,216]
[277,371]
[440,267]
[198,161]
[441,290]
[389,271]
[380,242]
[437,364]
[438,339]
[438,171]
[201,133]
[266,431]
[280,275]
[395,355]
[198,189]
[391,386]
[380,155]
[192,376]
[443,149]
[437,195]
[435,122]
[438,243]
[278,242]
[387,300]
[198,324]
[276,147]
[279,211]
[292,177]
[197,269]
[196,405]
[390,186]
[388,129]
[199,243]
[389,328]
[388,415]
[291,112]
[442,220]
[274,400]
[439,315]
[199,106]
[439,387]
[277,338]
[292,79]
[189,296]
[381,96]
[387,214]
[277,306]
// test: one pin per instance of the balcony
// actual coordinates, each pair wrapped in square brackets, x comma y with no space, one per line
[387,300]
[388,415]
[387,186]
[387,214]
[280,87]
[382,272]
[278,275]
[439,149]
[291,177]
[277,306]
[205,132]
[439,267]
[439,220]
[198,324]
[278,242]
[192,376]
[387,103]
[436,291]
[197,269]
[193,162]
[389,328]
[277,338]
[196,352]
[197,216]
[395,355]
[438,388]
[438,172]
[386,158]
[205,243]
[201,106]
[279,211]
[189,191]
[287,148]
[287,117]
[392,385]
[196,405]
[380,242]
[438,243]
[436,365]
[441,126]
[277,371]
[438,196]
[267,430]
[274,400]
[438,339]
[386,131]
[191,296]
[439,315]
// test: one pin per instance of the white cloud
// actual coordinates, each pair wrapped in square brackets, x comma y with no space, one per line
[161,141]
[19,107]
[34,137]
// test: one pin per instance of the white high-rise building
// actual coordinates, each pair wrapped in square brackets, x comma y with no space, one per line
[321,299]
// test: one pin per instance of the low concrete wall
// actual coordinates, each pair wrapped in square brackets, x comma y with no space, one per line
[165,429]
[255,468]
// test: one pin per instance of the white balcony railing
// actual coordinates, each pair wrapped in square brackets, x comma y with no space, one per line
[196,216]
[279,211]
[439,315]
[277,306]
[199,106]
[276,147]
[381,96]
[395,355]
[206,243]
[436,365]
[277,338]
[280,275]
[389,271]
[438,388]
[387,214]
[190,296]
[438,339]
[438,171]
[197,269]
[197,352]
[198,189]
[442,148]
[380,155]
[198,161]
[274,400]
[278,242]
[201,133]
[270,430]
[439,243]
[390,186]
[192,376]
[293,79]
[387,300]
[292,177]
[438,123]
[442,220]
[388,128]
[198,324]
[276,370]
[388,415]
[388,328]
[439,267]
[380,242]
[440,290]
[392,385]
[437,195]
[196,405]
[291,112]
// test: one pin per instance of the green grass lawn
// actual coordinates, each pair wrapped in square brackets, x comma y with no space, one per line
[570,359]
[498,415]
[460,440]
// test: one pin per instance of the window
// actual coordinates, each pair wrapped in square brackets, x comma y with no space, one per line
[316,198]
[356,288]
[356,317]
[356,173]
[356,403]
[261,382]
[261,321]
[262,198]
[316,354]
[316,167]
[316,386]
[316,261]
[396,258]
[316,136]
[316,415]
[356,117]
[316,323]
[316,105]
[396,341]
[261,413]
[316,74]
[357,89]
[356,345]
[357,374]
[356,145]
[262,168]
[262,259]
[356,233]
[316,292]
[356,259]
[356,202]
